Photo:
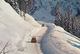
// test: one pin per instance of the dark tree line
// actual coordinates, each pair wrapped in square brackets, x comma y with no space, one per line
[69,23]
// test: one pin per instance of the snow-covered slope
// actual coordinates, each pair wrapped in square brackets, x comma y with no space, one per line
[46,8]
[57,41]
[13,29]
[64,41]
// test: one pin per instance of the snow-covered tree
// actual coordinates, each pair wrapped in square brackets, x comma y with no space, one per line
[14,4]
[76,26]
[25,7]
[10,2]
[21,6]
[69,27]
[58,15]
[65,21]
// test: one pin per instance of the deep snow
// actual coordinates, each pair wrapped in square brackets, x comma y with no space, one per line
[57,41]
[13,29]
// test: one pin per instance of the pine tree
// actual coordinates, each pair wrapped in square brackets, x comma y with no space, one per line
[62,20]
[58,16]
[65,21]
[10,2]
[76,26]
[69,21]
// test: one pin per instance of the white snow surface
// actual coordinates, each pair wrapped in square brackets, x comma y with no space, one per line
[57,41]
[14,30]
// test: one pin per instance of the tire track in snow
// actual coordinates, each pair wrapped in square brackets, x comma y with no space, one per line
[39,35]
[36,48]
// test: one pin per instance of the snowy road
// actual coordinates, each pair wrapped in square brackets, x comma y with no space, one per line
[34,48]
[46,44]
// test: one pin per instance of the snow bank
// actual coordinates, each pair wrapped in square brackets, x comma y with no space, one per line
[13,29]
[57,41]
[31,20]
[64,41]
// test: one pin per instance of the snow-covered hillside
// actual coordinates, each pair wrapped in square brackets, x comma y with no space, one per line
[13,29]
[46,8]
[57,41]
